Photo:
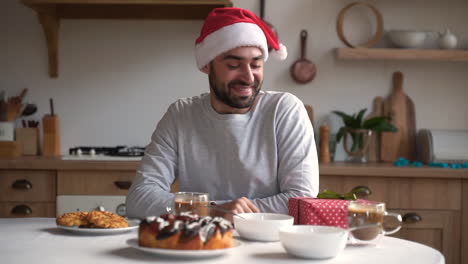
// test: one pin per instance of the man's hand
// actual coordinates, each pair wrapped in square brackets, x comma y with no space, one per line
[237,206]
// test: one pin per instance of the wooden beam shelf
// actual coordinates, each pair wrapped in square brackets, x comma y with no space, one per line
[401,54]
[50,12]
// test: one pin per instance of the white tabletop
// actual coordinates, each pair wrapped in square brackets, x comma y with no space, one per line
[38,240]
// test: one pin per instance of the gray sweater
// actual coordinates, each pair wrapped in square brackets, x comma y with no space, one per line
[267,155]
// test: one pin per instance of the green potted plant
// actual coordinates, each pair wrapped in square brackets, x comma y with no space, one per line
[360,130]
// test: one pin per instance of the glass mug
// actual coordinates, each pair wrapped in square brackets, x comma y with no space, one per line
[363,212]
[194,202]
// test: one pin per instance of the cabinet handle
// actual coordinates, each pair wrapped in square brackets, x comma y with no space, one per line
[22,185]
[21,210]
[362,191]
[411,218]
[123,185]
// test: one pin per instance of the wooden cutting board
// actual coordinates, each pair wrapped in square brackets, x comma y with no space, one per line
[409,142]
[373,154]
[395,106]
[310,112]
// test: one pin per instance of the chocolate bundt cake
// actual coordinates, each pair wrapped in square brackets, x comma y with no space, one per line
[185,231]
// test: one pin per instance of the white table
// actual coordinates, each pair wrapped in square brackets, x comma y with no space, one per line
[38,240]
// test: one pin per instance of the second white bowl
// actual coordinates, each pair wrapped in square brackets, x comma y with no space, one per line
[407,38]
[261,226]
[317,242]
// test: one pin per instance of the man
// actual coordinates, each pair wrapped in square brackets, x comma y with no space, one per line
[250,150]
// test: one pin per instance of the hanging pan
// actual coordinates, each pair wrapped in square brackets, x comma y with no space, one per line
[303,70]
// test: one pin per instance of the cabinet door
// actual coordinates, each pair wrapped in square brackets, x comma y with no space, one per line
[437,229]
[400,192]
[94,182]
[27,209]
[27,185]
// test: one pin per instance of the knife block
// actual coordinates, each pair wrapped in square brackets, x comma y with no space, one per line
[51,136]
[29,139]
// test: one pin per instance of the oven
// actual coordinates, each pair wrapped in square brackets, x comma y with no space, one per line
[74,203]
[87,190]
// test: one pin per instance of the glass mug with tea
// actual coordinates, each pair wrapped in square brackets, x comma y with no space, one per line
[194,202]
[363,212]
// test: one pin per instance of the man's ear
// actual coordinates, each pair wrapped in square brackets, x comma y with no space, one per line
[206,68]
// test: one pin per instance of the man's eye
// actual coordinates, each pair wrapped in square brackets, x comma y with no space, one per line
[232,66]
[256,66]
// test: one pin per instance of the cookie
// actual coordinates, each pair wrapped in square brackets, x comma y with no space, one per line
[73,219]
[106,219]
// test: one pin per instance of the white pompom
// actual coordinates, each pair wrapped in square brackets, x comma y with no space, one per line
[280,54]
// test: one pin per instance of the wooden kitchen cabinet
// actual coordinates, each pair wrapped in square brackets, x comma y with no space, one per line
[27,193]
[464,221]
[94,182]
[27,209]
[437,229]
[431,207]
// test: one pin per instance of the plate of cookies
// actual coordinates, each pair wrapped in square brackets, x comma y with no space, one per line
[95,223]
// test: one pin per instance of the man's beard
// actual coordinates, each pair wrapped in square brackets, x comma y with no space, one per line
[223,93]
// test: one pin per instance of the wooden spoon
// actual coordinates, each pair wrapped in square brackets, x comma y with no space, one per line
[303,70]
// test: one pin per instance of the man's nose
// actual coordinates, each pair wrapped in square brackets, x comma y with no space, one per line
[247,74]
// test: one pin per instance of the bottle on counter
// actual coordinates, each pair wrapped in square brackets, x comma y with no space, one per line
[324,149]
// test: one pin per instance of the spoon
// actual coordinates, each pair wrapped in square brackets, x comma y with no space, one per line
[29,109]
[223,210]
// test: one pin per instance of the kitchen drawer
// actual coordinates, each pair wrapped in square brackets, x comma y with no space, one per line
[27,209]
[437,229]
[94,182]
[24,185]
[407,193]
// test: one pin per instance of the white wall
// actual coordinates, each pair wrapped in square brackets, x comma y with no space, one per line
[116,78]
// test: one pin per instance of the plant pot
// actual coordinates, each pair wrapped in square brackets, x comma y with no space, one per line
[356,147]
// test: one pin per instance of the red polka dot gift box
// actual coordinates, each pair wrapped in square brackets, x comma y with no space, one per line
[312,211]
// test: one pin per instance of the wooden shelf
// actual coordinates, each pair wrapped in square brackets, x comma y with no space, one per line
[50,12]
[401,54]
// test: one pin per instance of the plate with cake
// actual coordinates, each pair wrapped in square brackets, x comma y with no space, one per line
[96,223]
[185,235]
[184,253]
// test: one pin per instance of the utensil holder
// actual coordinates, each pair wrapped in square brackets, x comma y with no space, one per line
[29,140]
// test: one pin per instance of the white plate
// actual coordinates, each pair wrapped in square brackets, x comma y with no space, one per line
[181,253]
[132,225]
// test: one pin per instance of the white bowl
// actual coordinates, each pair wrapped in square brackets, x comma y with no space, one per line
[309,241]
[407,38]
[261,226]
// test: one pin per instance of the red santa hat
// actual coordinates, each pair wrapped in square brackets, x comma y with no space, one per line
[231,27]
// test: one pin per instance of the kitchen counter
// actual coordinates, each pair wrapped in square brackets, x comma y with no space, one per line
[336,168]
[56,163]
[38,240]
[438,215]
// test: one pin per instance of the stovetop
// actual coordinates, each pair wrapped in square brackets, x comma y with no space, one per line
[118,151]
[105,153]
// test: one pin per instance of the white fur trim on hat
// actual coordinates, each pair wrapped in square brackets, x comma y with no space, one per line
[227,38]
[280,54]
